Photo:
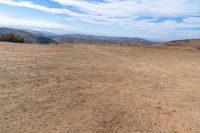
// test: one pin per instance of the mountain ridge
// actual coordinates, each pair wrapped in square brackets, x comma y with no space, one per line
[28,36]
[39,37]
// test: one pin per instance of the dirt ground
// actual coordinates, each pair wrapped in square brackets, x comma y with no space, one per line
[98,89]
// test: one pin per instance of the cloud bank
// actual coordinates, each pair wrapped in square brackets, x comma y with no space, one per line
[141,15]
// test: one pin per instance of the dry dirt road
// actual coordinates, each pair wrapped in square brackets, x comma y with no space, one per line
[98,89]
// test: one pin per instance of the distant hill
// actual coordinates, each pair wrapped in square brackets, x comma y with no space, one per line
[80,38]
[50,38]
[194,43]
[27,36]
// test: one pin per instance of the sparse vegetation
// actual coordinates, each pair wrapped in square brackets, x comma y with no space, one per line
[11,38]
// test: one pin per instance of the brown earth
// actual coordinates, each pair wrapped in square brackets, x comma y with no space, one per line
[103,89]
[191,43]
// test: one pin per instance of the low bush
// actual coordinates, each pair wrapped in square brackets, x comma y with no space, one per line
[11,38]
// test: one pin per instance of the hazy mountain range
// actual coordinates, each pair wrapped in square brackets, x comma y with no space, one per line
[50,38]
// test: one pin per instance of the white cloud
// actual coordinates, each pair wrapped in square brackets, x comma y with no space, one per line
[128,8]
[118,11]
[31,5]
[7,21]
[121,12]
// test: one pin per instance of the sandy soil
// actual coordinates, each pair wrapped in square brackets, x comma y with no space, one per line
[192,44]
[103,89]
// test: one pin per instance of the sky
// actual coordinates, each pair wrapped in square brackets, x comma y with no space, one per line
[158,20]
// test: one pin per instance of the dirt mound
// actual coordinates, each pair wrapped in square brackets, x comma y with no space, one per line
[195,43]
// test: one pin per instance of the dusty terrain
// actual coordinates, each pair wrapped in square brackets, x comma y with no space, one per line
[191,43]
[103,89]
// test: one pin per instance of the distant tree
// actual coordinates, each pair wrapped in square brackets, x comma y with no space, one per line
[186,41]
[11,38]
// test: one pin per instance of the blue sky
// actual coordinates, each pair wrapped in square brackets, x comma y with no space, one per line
[151,19]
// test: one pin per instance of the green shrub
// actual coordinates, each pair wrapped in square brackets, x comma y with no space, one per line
[11,38]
